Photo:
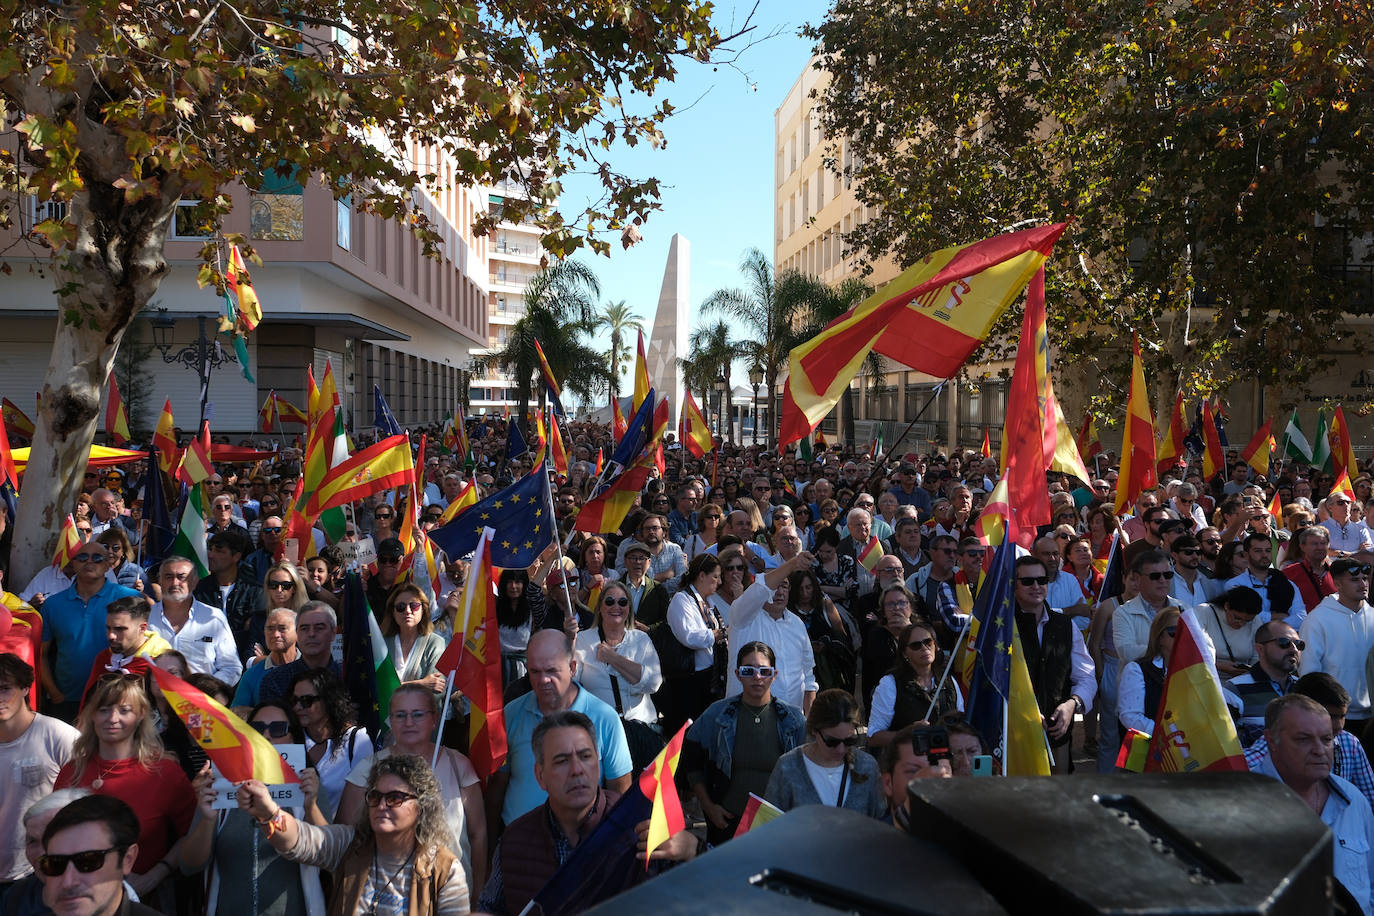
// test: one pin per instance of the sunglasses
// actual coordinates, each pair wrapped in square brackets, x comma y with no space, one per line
[1028,581]
[1188,551]
[283,586]
[1288,642]
[401,606]
[383,515]
[760,671]
[272,729]
[310,699]
[832,742]
[735,567]
[434,517]
[1156,576]
[612,601]
[54,866]
[392,799]
[927,643]
[1358,572]
[715,515]
[90,558]
[271,529]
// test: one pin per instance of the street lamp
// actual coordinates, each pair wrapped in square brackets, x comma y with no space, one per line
[721,385]
[756,379]
[203,354]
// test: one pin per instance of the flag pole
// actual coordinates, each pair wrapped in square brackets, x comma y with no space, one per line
[949,664]
[553,520]
[1006,723]
[443,716]
[934,396]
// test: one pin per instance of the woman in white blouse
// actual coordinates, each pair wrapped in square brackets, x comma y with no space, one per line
[616,662]
[698,627]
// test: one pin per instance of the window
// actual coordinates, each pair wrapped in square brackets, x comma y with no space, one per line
[500,303]
[343,222]
[187,226]
[277,210]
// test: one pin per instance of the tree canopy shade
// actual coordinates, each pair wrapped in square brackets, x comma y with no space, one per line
[1215,157]
[121,109]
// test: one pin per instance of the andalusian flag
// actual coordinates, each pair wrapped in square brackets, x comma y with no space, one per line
[164,437]
[1170,452]
[69,543]
[875,448]
[1137,472]
[1342,450]
[190,539]
[16,420]
[1260,449]
[1295,442]
[369,675]
[657,782]
[250,309]
[116,417]
[195,460]
[1213,458]
[641,374]
[239,751]
[1321,444]
[473,660]
[378,467]
[931,318]
[696,432]
[1193,729]
[871,553]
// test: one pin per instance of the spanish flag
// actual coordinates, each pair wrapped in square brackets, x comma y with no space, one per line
[116,417]
[696,432]
[1342,485]
[1137,472]
[250,309]
[657,782]
[465,498]
[8,473]
[69,543]
[1089,445]
[987,444]
[164,437]
[931,318]
[378,467]
[871,553]
[1193,729]
[1029,442]
[1170,452]
[618,424]
[550,383]
[195,461]
[1342,451]
[288,412]
[556,446]
[16,420]
[473,659]
[267,414]
[237,749]
[1259,451]
[1213,458]
[606,511]
[641,374]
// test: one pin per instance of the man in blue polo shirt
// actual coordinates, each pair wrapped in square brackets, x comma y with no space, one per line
[74,629]
[551,666]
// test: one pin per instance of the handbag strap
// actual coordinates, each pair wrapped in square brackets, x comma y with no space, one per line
[615,693]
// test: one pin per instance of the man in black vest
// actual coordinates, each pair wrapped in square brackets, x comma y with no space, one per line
[1280,652]
[537,844]
[1060,668]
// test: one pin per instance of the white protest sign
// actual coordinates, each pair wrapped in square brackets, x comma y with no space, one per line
[288,795]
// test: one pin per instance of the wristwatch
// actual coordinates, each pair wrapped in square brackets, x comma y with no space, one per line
[1077,703]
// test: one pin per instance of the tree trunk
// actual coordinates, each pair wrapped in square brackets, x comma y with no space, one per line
[113,269]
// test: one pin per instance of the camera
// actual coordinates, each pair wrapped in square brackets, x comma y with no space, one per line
[931,742]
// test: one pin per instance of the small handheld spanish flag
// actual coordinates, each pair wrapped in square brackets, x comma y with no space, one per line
[656,782]
[68,543]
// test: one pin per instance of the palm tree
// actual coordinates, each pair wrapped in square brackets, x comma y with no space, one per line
[770,313]
[560,312]
[711,352]
[620,321]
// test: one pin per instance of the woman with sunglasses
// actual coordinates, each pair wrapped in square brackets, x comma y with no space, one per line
[908,693]
[414,717]
[1142,681]
[224,839]
[397,859]
[118,753]
[333,743]
[827,770]
[735,577]
[409,631]
[730,750]
[126,572]
[710,519]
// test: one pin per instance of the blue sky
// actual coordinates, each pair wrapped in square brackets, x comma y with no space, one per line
[717,166]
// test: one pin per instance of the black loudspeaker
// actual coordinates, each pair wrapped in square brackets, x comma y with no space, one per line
[1213,843]
[1130,844]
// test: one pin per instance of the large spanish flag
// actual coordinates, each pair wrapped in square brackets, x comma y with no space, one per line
[1213,458]
[696,432]
[116,417]
[931,318]
[378,467]
[1137,472]
[1193,729]
[239,750]
[657,782]
[1170,453]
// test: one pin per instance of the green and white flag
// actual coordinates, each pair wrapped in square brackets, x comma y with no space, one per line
[1295,443]
[190,539]
[1321,444]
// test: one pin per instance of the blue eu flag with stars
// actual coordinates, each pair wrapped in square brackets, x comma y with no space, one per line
[990,680]
[521,515]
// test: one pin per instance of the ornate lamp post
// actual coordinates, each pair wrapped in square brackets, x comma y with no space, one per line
[203,354]
[756,379]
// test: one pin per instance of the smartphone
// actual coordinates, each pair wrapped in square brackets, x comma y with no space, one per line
[982,765]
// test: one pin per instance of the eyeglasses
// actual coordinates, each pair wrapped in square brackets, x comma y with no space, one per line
[759,671]
[762,486]
[927,643]
[1288,642]
[271,529]
[413,715]
[54,866]
[735,567]
[392,799]
[1156,576]
[272,729]
[831,741]
[309,699]
[90,558]
[403,606]
[715,515]
[612,601]
[949,550]
[1358,572]
[1188,551]
[383,515]
[1028,581]
[388,560]
[282,585]
[1211,540]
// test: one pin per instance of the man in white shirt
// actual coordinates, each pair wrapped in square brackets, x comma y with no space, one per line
[1348,536]
[1339,634]
[1279,596]
[195,629]
[760,614]
[1191,586]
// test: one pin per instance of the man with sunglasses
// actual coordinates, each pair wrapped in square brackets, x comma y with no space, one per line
[89,848]
[1151,520]
[74,629]
[197,630]
[1061,670]
[1278,595]
[1191,586]
[1339,634]
[1279,651]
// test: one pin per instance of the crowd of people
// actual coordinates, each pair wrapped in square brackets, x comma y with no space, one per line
[801,615]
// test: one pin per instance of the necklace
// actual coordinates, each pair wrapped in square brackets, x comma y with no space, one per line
[389,881]
[100,775]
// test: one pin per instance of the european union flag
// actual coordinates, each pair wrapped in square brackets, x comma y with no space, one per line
[515,444]
[990,681]
[383,420]
[602,865]
[637,433]
[522,516]
[1113,580]
[161,529]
